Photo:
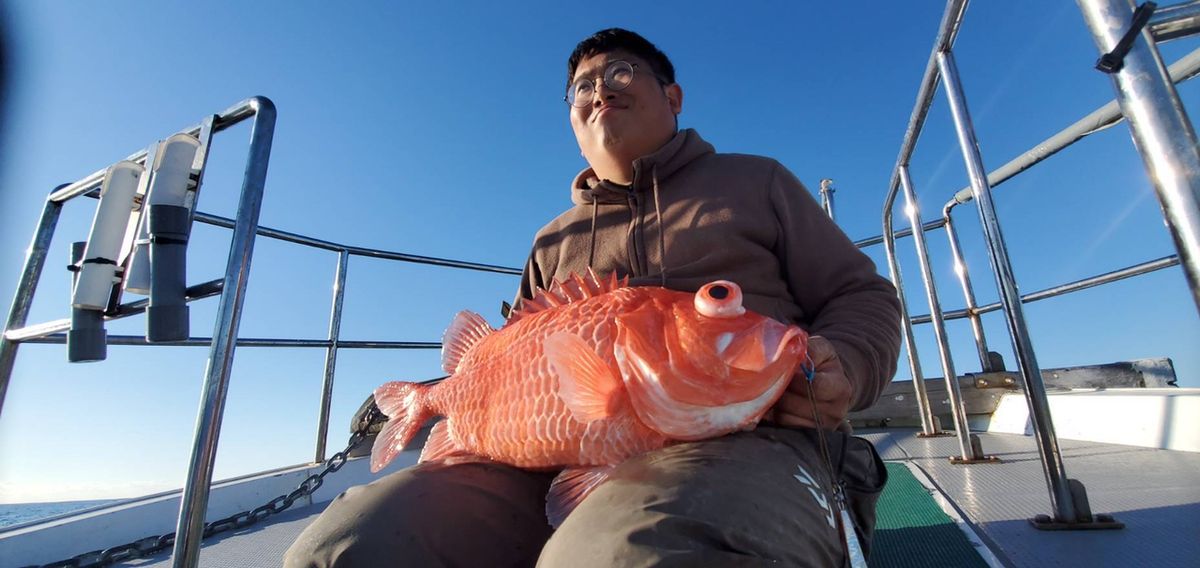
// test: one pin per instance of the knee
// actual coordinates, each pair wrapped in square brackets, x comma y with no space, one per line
[430,515]
[364,526]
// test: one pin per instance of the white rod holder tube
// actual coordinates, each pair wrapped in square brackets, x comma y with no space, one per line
[99,269]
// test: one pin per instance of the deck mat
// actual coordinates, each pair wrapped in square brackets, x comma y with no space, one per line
[911,530]
[1156,493]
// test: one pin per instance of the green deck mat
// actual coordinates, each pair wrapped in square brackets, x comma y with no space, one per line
[912,531]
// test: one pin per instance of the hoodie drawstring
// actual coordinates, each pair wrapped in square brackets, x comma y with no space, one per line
[592,247]
[662,240]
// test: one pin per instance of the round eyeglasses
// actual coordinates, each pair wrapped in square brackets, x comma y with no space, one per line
[617,76]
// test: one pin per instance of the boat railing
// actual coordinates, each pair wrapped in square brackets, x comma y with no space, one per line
[1145,95]
[1167,143]
[231,288]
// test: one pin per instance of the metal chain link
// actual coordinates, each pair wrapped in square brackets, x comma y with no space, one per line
[152,544]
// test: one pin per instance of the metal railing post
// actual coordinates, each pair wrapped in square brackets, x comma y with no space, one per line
[35,259]
[1035,390]
[1174,22]
[1162,133]
[947,31]
[971,452]
[964,280]
[929,422]
[827,191]
[335,329]
[194,503]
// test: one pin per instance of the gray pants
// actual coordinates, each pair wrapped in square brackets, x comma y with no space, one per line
[749,499]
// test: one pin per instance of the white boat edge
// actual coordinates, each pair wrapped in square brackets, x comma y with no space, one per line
[64,536]
[1163,418]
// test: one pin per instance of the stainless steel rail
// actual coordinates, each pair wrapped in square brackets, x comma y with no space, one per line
[140,341]
[827,191]
[1109,115]
[190,529]
[335,328]
[1062,490]
[947,31]
[359,251]
[1174,22]
[1102,118]
[869,241]
[35,259]
[335,318]
[29,333]
[225,337]
[1162,132]
[1091,282]
[964,279]
[1035,391]
[958,412]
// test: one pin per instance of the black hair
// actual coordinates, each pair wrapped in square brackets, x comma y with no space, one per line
[613,39]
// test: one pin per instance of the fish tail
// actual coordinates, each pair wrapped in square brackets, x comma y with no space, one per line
[405,405]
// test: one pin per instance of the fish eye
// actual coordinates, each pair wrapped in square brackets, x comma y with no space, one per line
[720,299]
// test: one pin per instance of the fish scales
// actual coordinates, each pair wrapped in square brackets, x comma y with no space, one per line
[519,416]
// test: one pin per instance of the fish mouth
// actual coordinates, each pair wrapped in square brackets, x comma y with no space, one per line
[770,343]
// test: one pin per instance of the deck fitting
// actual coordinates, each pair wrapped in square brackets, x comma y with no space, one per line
[960,460]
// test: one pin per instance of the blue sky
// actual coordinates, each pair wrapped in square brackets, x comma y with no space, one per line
[439,130]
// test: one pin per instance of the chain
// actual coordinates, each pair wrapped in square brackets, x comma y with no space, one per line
[152,544]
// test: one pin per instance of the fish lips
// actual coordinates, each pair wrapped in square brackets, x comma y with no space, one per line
[770,343]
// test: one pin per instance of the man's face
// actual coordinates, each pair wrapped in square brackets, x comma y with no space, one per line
[625,124]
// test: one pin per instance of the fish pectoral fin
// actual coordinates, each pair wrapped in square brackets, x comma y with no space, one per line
[465,332]
[589,388]
[570,488]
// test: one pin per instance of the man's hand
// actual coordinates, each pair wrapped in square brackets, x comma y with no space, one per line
[831,391]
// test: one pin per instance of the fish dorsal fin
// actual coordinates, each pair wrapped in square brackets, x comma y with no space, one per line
[586,385]
[570,488]
[574,289]
[464,333]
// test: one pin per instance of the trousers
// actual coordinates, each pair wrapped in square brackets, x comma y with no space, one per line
[755,498]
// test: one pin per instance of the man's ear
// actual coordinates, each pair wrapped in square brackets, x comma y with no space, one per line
[675,97]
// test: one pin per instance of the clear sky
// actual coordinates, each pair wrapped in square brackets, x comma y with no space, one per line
[438,129]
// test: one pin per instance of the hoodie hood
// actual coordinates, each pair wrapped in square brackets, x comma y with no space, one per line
[685,147]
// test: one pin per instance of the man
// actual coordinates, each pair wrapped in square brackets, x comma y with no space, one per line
[660,206]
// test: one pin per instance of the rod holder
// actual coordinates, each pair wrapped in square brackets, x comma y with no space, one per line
[167,313]
[98,269]
[87,340]
[94,263]
[169,185]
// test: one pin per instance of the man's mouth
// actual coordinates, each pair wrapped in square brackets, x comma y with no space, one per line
[602,110]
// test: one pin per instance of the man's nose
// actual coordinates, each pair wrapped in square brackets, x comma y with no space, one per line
[602,93]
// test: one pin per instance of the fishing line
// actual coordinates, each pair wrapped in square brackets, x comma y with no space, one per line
[850,545]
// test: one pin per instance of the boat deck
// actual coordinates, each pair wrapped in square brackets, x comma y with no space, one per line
[1156,493]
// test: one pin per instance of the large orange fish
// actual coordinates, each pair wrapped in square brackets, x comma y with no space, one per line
[590,373]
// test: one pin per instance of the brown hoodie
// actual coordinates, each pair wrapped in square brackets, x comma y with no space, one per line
[735,217]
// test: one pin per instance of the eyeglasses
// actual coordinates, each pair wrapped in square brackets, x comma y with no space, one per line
[617,76]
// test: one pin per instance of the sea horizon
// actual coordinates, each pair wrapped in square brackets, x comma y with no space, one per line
[12,514]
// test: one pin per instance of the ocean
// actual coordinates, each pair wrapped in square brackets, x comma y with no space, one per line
[17,513]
